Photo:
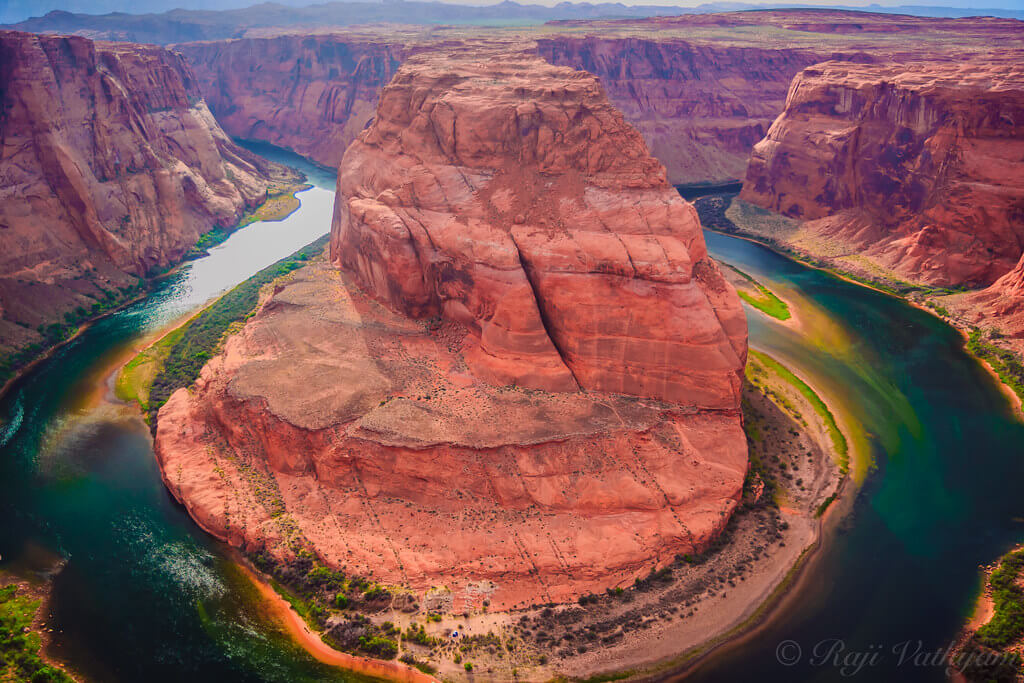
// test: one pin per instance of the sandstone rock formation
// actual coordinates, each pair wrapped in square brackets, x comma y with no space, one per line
[522,212]
[701,88]
[112,167]
[312,94]
[916,166]
[522,383]
[700,107]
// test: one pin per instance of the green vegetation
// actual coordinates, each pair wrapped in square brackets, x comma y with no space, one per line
[276,207]
[19,645]
[1005,363]
[764,300]
[385,648]
[825,504]
[136,377]
[316,592]
[1007,623]
[202,335]
[835,434]
[55,333]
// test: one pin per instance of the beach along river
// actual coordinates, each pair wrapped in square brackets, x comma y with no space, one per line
[146,596]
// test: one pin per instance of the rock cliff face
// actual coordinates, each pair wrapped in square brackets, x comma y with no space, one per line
[522,382]
[312,94]
[701,108]
[111,166]
[917,166]
[522,212]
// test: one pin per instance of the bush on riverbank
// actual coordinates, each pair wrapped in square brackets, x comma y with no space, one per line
[1007,623]
[202,335]
[19,646]
[1006,363]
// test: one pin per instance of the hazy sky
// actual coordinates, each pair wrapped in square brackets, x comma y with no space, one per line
[25,8]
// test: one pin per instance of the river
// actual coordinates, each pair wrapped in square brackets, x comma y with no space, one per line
[146,596]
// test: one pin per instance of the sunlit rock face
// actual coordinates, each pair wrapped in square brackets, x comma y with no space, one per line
[916,165]
[517,376]
[509,196]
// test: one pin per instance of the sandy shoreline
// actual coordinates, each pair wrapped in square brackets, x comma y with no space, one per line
[315,646]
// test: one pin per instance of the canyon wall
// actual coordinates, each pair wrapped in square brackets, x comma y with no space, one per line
[309,93]
[701,108]
[520,377]
[111,167]
[917,166]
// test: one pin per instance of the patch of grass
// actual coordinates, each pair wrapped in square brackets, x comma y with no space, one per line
[835,434]
[1006,363]
[765,300]
[136,377]
[824,505]
[19,645]
[1007,623]
[201,336]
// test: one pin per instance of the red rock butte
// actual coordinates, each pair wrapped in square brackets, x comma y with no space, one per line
[520,383]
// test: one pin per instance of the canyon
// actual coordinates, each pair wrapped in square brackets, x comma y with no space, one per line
[915,167]
[519,375]
[111,168]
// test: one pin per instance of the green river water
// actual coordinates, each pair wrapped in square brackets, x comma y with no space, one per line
[144,595]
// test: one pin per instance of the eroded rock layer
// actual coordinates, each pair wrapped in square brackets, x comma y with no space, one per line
[917,166]
[310,93]
[521,383]
[701,108]
[111,167]
[532,213]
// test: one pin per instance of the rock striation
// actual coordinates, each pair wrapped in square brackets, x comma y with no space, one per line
[111,167]
[523,211]
[700,107]
[309,93]
[915,166]
[520,376]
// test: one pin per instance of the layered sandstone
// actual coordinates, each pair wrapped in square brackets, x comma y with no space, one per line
[112,167]
[700,107]
[521,211]
[702,88]
[522,382]
[309,93]
[916,166]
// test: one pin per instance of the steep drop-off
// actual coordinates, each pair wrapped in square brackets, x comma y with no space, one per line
[523,381]
[312,94]
[701,108]
[917,167]
[111,167]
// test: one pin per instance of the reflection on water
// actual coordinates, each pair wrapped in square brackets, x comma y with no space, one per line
[146,596]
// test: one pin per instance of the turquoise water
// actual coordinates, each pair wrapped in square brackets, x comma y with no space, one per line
[900,574]
[144,595]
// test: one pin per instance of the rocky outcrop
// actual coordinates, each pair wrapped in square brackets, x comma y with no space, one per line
[309,93]
[521,381]
[535,216]
[112,167]
[916,166]
[700,107]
